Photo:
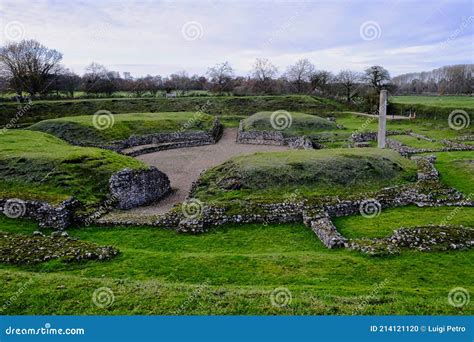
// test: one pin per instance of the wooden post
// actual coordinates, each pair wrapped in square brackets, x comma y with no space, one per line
[382,119]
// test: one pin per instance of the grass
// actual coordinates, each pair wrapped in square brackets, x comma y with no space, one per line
[301,124]
[233,270]
[411,216]
[435,129]
[416,142]
[437,101]
[82,129]
[275,175]
[214,105]
[457,170]
[35,165]
[434,107]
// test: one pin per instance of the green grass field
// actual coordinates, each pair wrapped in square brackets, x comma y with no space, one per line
[84,130]
[35,165]
[234,269]
[437,101]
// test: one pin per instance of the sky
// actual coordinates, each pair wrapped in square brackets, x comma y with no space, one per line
[162,37]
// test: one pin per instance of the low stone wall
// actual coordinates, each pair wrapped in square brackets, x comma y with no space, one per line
[321,224]
[407,151]
[133,188]
[372,136]
[163,141]
[427,170]
[45,214]
[275,138]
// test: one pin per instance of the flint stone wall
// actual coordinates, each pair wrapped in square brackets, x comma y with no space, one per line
[275,138]
[134,188]
[164,141]
[45,214]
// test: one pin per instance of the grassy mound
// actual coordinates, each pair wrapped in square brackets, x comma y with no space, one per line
[82,129]
[310,172]
[35,165]
[301,124]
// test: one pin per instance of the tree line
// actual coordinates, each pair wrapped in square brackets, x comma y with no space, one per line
[28,67]
[453,79]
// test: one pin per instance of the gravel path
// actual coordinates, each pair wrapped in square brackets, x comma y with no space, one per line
[184,165]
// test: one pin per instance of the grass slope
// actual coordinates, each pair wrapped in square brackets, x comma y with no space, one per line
[457,170]
[216,105]
[274,175]
[436,107]
[436,129]
[233,270]
[81,129]
[438,101]
[35,165]
[301,124]
[411,216]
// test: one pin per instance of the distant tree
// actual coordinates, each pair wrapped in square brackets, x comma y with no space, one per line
[99,80]
[299,74]
[263,74]
[30,66]
[377,77]
[179,82]
[68,82]
[220,77]
[321,80]
[348,80]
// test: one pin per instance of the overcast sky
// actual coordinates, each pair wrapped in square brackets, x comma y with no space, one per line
[161,37]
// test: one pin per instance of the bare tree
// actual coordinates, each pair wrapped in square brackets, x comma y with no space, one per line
[348,80]
[179,82]
[31,66]
[320,80]
[221,77]
[300,74]
[263,73]
[378,77]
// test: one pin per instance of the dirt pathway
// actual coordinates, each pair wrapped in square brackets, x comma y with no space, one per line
[184,165]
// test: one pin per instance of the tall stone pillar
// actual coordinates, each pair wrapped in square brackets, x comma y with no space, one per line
[382,119]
